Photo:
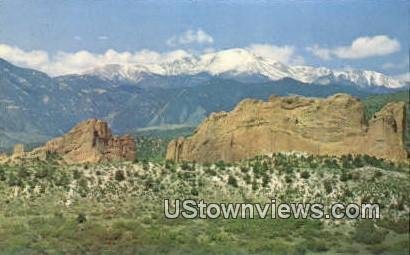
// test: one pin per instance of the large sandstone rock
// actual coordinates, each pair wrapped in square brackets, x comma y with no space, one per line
[3,157]
[332,126]
[90,141]
[18,151]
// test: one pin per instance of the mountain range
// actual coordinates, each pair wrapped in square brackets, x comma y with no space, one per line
[35,107]
[243,65]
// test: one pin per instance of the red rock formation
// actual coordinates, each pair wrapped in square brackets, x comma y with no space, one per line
[91,141]
[331,126]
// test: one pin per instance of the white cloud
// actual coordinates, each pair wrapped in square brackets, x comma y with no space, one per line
[362,47]
[189,37]
[68,63]
[285,54]
[61,63]
[103,37]
[322,53]
[23,58]
[78,38]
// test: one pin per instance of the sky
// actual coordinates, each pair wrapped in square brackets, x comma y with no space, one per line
[61,37]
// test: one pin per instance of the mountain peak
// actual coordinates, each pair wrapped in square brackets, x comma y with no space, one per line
[239,63]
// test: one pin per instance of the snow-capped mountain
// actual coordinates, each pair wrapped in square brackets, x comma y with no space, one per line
[243,63]
[135,96]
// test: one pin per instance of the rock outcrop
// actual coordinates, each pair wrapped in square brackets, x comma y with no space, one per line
[90,141]
[331,126]
[3,157]
[18,151]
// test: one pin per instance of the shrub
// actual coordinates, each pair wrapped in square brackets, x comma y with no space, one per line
[400,226]
[83,183]
[355,176]
[220,164]
[185,166]
[247,179]
[14,181]
[2,174]
[211,172]
[346,176]
[23,173]
[244,169]
[81,218]
[194,192]
[265,180]
[119,175]
[378,174]
[232,181]
[77,174]
[43,172]
[64,180]
[367,233]
[317,245]
[357,162]
[265,167]
[331,163]
[169,164]
[328,186]
[254,185]
[305,175]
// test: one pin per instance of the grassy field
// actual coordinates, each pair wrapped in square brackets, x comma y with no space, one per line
[117,208]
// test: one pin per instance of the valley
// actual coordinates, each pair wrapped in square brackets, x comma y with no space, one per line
[31,98]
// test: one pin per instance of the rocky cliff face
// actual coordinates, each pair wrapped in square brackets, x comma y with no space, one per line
[90,141]
[332,126]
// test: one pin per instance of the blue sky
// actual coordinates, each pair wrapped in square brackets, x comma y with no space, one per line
[322,33]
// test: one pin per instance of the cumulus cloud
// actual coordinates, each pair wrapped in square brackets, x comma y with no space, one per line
[190,37]
[68,63]
[23,58]
[322,53]
[285,54]
[61,63]
[362,47]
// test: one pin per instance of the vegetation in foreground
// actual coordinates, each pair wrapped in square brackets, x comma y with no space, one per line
[117,208]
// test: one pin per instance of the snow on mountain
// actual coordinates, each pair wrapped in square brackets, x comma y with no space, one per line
[242,62]
[368,78]
[121,72]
